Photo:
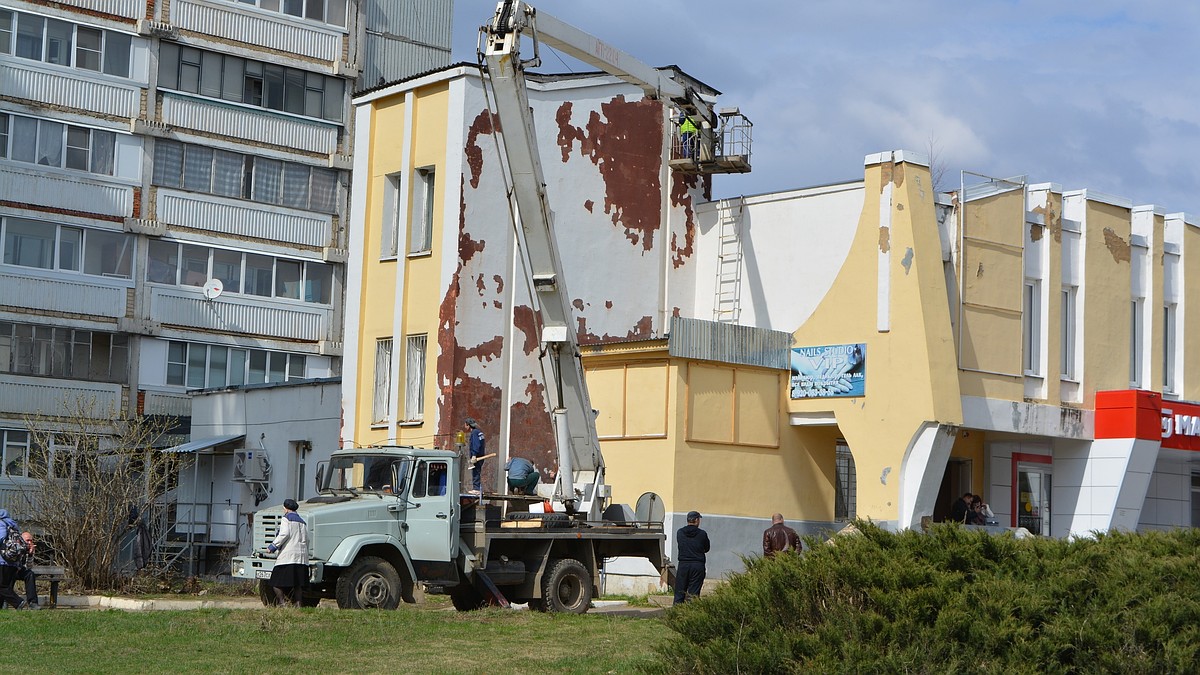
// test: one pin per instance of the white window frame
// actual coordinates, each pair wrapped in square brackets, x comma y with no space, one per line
[1137,338]
[415,351]
[1170,340]
[1031,328]
[382,403]
[420,233]
[1068,347]
[393,216]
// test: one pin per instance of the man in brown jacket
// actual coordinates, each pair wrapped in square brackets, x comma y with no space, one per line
[779,537]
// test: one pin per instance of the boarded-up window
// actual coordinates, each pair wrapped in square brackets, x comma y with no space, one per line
[735,406]
[631,399]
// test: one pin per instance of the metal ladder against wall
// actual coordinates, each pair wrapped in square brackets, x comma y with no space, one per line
[727,303]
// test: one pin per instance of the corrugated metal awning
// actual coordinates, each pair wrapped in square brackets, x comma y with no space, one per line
[206,444]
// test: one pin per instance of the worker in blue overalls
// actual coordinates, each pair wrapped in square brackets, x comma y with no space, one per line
[475,447]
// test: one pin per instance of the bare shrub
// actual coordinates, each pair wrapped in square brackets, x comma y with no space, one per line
[93,468]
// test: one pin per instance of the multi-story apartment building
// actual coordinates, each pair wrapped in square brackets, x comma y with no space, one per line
[173,195]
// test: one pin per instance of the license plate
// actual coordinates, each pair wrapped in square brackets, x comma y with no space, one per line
[262,574]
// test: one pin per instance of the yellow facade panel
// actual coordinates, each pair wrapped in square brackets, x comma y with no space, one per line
[710,404]
[646,390]
[758,396]
[993,276]
[606,386]
[991,341]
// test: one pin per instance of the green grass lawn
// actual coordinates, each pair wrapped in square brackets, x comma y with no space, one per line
[411,639]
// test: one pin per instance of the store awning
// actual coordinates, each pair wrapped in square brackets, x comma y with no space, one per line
[207,444]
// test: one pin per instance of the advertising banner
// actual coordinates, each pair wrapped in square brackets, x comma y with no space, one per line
[829,371]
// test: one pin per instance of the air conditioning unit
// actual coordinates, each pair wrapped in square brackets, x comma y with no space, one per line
[250,466]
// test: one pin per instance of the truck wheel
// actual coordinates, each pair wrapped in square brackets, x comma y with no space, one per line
[370,583]
[466,597]
[567,587]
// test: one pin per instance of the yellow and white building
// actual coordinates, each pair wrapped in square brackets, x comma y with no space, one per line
[872,348]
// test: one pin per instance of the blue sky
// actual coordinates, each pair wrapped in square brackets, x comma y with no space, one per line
[1103,95]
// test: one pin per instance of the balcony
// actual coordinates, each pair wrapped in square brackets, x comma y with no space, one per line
[233,217]
[76,294]
[186,307]
[236,121]
[130,9]
[24,395]
[277,32]
[65,192]
[75,89]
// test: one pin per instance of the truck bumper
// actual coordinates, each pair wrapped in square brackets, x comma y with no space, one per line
[249,567]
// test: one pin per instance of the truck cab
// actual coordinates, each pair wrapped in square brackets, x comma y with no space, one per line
[383,518]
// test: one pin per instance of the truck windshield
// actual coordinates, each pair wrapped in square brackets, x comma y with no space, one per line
[365,473]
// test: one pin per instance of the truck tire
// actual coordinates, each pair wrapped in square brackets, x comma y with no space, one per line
[466,597]
[567,587]
[370,583]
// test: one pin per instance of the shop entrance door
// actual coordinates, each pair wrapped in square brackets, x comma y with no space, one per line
[1034,484]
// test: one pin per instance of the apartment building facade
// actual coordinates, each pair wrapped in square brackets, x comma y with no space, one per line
[174,181]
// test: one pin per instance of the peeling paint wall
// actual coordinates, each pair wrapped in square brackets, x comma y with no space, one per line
[624,229]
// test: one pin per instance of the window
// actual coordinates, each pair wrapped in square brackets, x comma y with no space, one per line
[255,83]
[54,144]
[1195,495]
[65,44]
[846,489]
[1067,334]
[198,366]
[14,443]
[1136,334]
[383,380]
[265,276]
[49,351]
[1032,327]
[392,212]
[421,232]
[318,11]
[1170,339]
[414,378]
[49,246]
[232,174]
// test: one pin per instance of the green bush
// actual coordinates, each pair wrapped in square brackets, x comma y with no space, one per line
[952,599]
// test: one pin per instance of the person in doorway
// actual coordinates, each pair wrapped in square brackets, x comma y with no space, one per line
[691,545]
[523,476]
[290,574]
[779,537]
[961,509]
[981,513]
[475,451]
[9,566]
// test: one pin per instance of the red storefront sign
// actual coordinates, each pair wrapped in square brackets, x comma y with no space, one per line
[1144,414]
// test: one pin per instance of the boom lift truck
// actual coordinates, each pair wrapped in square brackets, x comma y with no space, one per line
[387,519]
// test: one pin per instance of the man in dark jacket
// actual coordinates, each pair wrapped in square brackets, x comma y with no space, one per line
[779,537]
[691,543]
[961,508]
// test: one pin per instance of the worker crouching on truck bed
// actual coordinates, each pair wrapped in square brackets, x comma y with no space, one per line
[523,476]
[291,565]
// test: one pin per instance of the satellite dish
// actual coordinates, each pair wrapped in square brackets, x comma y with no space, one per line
[650,508]
[213,289]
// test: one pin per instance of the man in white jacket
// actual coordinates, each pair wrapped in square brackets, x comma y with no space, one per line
[290,573]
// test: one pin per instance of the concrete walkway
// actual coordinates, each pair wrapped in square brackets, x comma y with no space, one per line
[611,607]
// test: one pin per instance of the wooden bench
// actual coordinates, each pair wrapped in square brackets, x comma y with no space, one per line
[54,575]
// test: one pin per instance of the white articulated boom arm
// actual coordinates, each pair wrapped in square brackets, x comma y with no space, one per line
[581,465]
